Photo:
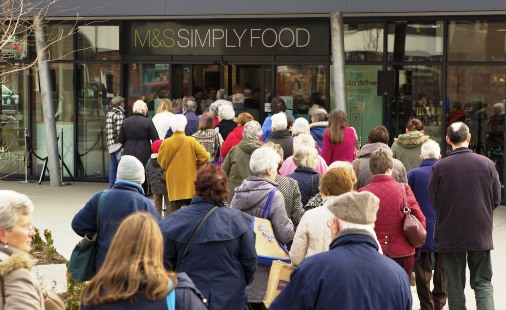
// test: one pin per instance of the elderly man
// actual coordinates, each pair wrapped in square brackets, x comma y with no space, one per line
[113,121]
[464,188]
[429,259]
[352,274]
[192,125]
[238,102]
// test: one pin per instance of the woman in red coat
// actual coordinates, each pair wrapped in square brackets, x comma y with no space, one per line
[235,136]
[390,218]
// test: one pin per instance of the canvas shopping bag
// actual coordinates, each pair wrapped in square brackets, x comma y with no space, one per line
[279,277]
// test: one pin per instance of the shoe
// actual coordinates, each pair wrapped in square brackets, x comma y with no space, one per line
[412,280]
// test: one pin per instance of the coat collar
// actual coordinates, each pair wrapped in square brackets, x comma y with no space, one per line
[428,162]
[381,178]
[279,134]
[460,150]
[129,185]
[353,236]
[306,170]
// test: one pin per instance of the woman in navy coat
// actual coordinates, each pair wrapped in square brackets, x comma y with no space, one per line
[222,259]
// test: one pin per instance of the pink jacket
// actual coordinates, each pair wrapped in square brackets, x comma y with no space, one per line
[288,166]
[343,151]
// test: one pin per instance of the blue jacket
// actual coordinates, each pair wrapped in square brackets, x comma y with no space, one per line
[192,126]
[317,133]
[188,297]
[418,180]
[308,187]
[120,201]
[222,259]
[351,275]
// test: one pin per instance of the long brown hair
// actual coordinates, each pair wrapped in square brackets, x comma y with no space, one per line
[337,123]
[135,257]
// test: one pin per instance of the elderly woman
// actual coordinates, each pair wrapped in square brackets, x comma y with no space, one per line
[302,139]
[390,217]
[313,234]
[236,164]
[236,135]
[208,137]
[214,109]
[251,197]
[305,174]
[180,156]
[222,259]
[281,135]
[407,147]
[20,289]
[278,105]
[318,125]
[226,116]
[300,126]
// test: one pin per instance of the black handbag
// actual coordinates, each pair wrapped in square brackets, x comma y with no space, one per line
[82,260]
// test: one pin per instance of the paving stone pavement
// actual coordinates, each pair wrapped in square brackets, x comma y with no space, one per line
[56,206]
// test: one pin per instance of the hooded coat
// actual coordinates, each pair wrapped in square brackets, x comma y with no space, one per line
[221,260]
[408,147]
[251,198]
[236,164]
[232,140]
[317,130]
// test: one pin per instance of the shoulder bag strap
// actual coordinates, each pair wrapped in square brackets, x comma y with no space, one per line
[195,233]
[405,207]
[97,210]
[175,153]
[268,204]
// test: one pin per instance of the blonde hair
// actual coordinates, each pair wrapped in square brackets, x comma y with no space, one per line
[134,258]
[165,106]
[305,156]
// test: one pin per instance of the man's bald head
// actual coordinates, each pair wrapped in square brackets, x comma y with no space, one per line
[457,133]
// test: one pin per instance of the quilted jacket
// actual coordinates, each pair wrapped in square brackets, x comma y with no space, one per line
[390,218]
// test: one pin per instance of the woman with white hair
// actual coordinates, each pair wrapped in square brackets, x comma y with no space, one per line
[19,287]
[236,164]
[300,126]
[289,166]
[136,134]
[181,156]
[226,116]
[280,134]
[251,198]
[305,174]
[214,109]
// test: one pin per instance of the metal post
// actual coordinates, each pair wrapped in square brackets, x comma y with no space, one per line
[62,163]
[47,102]
[27,154]
[339,73]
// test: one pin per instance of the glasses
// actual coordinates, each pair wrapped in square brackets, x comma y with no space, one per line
[28,227]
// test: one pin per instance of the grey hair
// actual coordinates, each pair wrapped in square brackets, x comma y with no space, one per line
[300,126]
[264,159]
[279,121]
[226,111]
[303,140]
[305,156]
[12,204]
[178,122]
[189,105]
[320,115]
[431,149]
[205,105]
[215,106]
[252,130]
[221,94]
[140,107]
[237,98]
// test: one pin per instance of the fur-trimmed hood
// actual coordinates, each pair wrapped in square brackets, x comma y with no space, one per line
[14,261]
[319,124]
[412,139]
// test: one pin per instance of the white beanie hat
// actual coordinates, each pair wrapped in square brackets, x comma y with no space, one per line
[130,169]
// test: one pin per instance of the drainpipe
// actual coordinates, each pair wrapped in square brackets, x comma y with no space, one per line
[339,73]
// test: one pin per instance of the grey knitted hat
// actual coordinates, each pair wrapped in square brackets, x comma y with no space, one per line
[354,207]
[130,169]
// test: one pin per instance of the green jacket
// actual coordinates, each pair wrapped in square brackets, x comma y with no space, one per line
[407,148]
[236,164]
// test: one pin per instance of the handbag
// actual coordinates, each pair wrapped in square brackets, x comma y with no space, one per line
[279,277]
[163,176]
[413,229]
[82,260]
[268,248]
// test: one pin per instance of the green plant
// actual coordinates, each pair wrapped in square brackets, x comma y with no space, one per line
[37,243]
[51,250]
[73,295]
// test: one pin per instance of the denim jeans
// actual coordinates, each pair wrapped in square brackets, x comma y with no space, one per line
[480,274]
[113,167]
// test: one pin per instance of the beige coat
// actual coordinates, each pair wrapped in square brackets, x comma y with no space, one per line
[312,235]
[21,288]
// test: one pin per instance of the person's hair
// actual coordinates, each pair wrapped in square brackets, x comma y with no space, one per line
[320,115]
[226,111]
[300,126]
[252,130]
[289,122]
[177,104]
[215,106]
[247,92]
[305,156]
[206,121]
[415,124]
[431,149]
[337,181]
[243,118]
[189,105]
[178,122]
[345,165]
[263,159]
[378,134]
[205,104]
[140,107]
[12,204]
[344,225]
[238,98]
[221,94]
[278,150]
[456,105]
[279,122]
[380,161]
[303,140]
[277,105]
[211,183]
[337,123]
[313,108]
[500,107]
[134,262]
[457,132]
[165,106]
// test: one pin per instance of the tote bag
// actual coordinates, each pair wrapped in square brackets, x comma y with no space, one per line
[279,277]
[267,246]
